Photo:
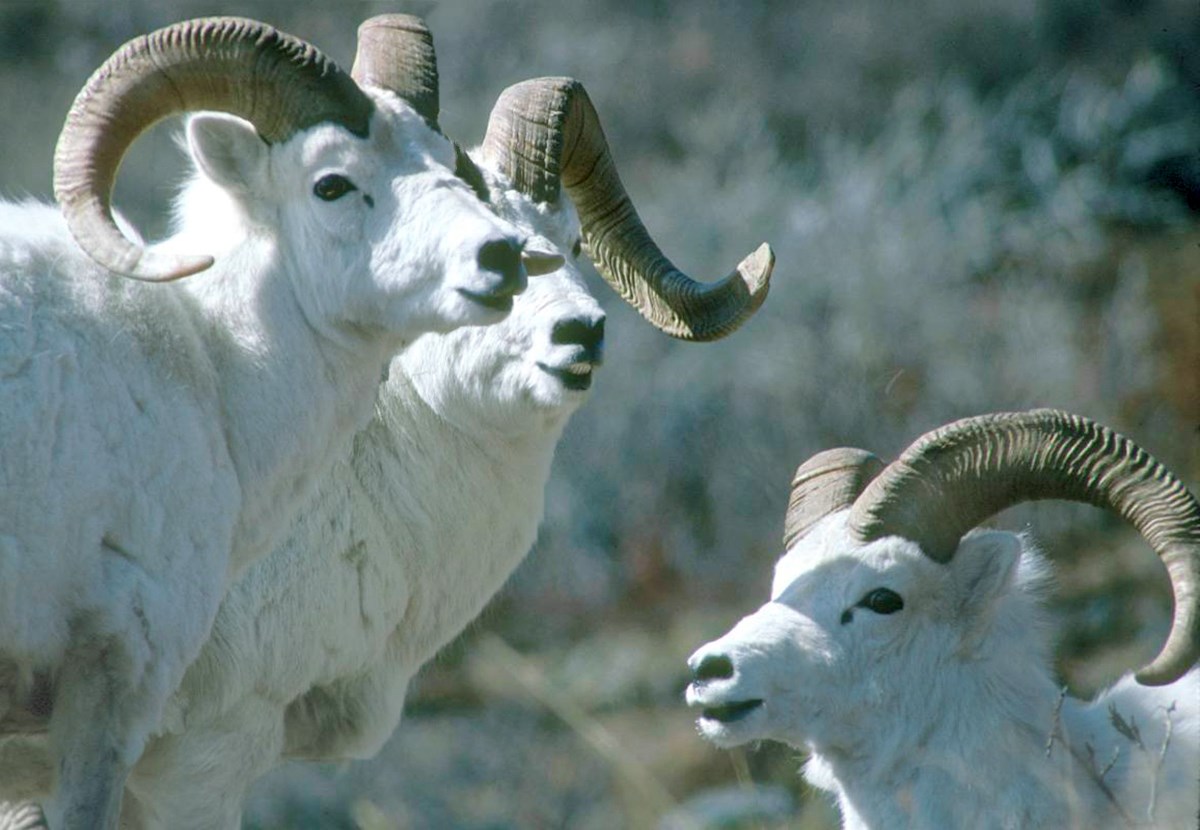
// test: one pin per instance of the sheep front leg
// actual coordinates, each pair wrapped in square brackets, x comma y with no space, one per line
[198,778]
[89,733]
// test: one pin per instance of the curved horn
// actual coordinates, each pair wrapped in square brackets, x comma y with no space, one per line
[545,132]
[395,52]
[827,482]
[953,478]
[275,81]
[17,816]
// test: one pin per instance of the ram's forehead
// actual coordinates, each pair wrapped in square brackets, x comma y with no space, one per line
[397,133]
[830,550]
[557,222]
[322,145]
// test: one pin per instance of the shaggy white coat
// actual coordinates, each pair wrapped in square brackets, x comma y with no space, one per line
[945,713]
[158,438]
[406,540]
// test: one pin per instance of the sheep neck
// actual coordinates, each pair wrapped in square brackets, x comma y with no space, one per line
[291,398]
[975,747]
[471,502]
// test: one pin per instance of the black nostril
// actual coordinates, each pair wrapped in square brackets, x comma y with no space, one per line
[579,331]
[500,255]
[503,256]
[714,667]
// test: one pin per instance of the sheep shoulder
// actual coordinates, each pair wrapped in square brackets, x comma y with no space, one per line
[108,395]
[1146,742]
[414,549]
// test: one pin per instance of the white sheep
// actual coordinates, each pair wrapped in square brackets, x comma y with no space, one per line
[158,438]
[912,661]
[407,539]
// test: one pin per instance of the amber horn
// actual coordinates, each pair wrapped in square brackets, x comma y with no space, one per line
[277,82]
[951,479]
[827,482]
[545,134]
[395,52]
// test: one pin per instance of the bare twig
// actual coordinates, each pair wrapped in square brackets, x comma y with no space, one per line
[1128,729]
[1112,762]
[741,768]
[1088,763]
[504,658]
[1097,777]
[1056,724]
[1096,771]
[1159,761]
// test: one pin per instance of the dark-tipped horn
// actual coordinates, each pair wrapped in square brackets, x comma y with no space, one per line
[395,52]
[275,81]
[827,482]
[545,133]
[955,477]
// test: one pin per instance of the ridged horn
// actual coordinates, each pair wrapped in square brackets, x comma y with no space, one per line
[395,52]
[951,479]
[545,133]
[21,816]
[827,482]
[277,82]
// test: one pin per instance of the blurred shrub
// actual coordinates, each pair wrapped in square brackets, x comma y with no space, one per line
[963,260]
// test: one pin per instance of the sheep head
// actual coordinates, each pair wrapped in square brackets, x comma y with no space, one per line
[527,374]
[346,181]
[870,616]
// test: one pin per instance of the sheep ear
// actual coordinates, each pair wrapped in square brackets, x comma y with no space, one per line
[983,568]
[229,151]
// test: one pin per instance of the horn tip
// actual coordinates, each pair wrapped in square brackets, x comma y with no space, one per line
[404,22]
[187,266]
[167,268]
[839,459]
[756,269]
[1178,656]
[1163,671]
[539,262]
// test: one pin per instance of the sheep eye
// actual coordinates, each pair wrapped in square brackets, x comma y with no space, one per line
[332,186]
[882,601]
[577,248]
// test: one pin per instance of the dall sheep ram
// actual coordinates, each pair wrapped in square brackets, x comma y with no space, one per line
[158,438]
[412,533]
[913,661]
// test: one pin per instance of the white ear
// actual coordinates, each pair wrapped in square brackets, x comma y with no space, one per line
[229,151]
[983,569]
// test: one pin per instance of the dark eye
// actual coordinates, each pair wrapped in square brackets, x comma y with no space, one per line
[881,601]
[332,187]
[577,248]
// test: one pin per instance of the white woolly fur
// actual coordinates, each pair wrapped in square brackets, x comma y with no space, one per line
[944,712]
[157,439]
[406,540]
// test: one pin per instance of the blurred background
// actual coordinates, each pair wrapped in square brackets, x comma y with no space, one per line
[975,204]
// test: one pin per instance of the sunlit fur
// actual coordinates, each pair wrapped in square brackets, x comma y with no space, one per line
[940,714]
[158,438]
[405,542]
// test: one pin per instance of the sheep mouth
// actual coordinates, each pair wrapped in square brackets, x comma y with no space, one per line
[574,376]
[496,302]
[731,712]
